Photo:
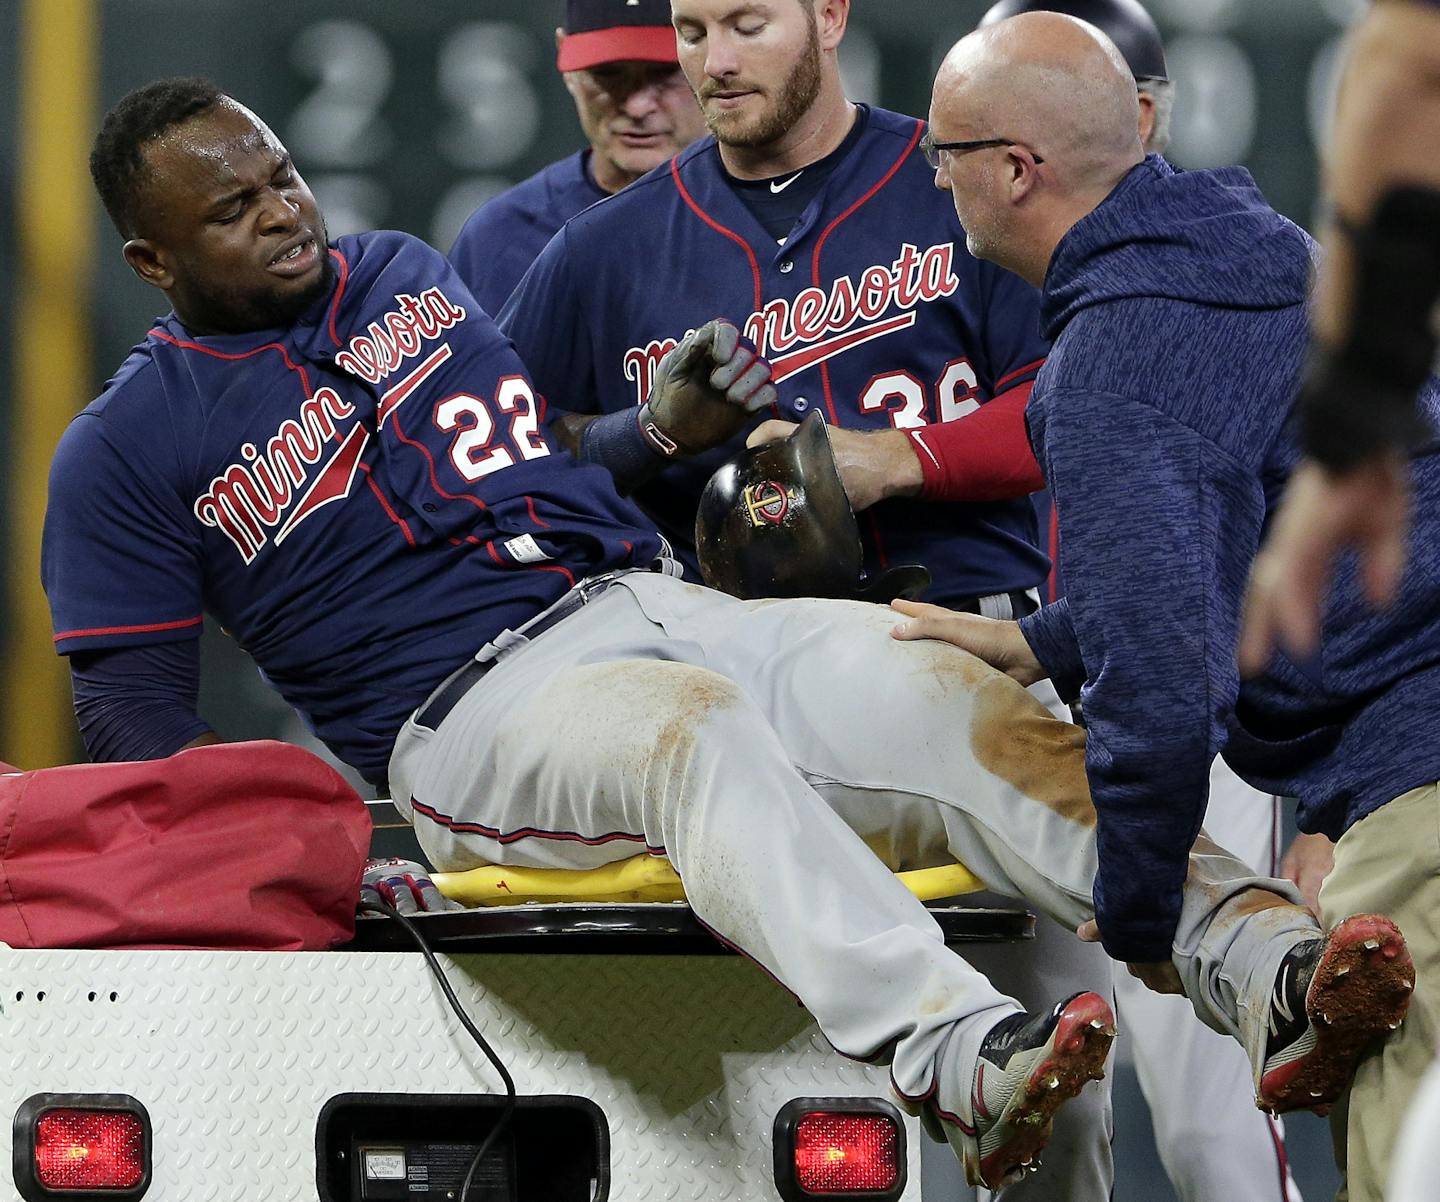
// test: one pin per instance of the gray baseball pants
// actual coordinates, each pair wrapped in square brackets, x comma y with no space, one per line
[785,756]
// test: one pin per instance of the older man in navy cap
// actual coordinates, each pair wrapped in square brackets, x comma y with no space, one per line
[619,62]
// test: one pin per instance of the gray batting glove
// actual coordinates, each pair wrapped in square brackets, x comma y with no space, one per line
[405,885]
[705,391]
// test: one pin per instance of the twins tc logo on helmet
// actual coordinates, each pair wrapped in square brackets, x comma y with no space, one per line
[820,324]
[767,503]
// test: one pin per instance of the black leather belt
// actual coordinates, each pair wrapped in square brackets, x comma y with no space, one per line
[447,696]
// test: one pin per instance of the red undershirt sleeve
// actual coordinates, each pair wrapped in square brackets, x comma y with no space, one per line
[985,456]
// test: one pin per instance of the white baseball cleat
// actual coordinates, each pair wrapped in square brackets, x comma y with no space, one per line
[1332,998]
[1029,1065]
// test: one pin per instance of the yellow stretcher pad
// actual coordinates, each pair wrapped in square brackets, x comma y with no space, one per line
[639,879]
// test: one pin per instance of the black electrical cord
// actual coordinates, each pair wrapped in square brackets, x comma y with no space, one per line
[507,1111]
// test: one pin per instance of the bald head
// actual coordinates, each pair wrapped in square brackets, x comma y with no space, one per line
[1052,110]
[1050,82]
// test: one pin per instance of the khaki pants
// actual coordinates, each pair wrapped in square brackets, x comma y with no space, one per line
[1389,863]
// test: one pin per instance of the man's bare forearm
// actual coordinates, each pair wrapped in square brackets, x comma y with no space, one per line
[569,428]
[1385,136]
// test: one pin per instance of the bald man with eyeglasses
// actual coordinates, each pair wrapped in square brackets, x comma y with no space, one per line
[1164,420]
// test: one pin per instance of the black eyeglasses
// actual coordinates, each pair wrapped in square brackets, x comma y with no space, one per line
[931,149]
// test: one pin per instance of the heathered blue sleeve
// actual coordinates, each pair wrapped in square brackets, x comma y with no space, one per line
[1139,524]
[546,321]
[1051,636]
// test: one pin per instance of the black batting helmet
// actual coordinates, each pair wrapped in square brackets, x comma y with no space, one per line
[775,522]
[1124,22]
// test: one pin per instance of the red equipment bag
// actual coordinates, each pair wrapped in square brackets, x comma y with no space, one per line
[238,845]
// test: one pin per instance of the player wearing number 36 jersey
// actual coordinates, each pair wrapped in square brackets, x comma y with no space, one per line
[871,310]
[814,225]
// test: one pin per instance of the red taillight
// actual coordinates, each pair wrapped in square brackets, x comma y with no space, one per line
[838,1153]
[89,1149]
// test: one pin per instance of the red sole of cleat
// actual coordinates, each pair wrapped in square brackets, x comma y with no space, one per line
[1359,993]
[1079,1046]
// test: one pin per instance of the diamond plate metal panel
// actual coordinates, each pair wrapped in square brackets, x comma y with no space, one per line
[234,1053]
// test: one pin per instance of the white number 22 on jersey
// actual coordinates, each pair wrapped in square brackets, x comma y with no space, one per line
[470,451]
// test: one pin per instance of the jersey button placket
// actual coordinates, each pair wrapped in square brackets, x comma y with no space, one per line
[786,266]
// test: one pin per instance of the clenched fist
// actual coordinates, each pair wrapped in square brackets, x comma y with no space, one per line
[705,390]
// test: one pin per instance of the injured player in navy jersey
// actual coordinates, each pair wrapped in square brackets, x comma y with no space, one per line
[364,496]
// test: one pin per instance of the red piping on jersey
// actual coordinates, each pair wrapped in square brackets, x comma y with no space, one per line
[385,505]
[830,229]
[1019,371]
[539,567]
[184,344]
[395,397]
[1053,584]
[553,567]
[527,832]
[720,229]
[146,629]
[535,517]
[339,292]
[430,460]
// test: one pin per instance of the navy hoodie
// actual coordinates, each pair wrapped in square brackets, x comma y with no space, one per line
[1162,420]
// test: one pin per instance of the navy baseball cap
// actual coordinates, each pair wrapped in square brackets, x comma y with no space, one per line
[1124,22]
[612,31]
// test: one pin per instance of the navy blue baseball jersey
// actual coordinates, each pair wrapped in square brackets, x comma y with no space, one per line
[362,499]
[871,310]
[506,234]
